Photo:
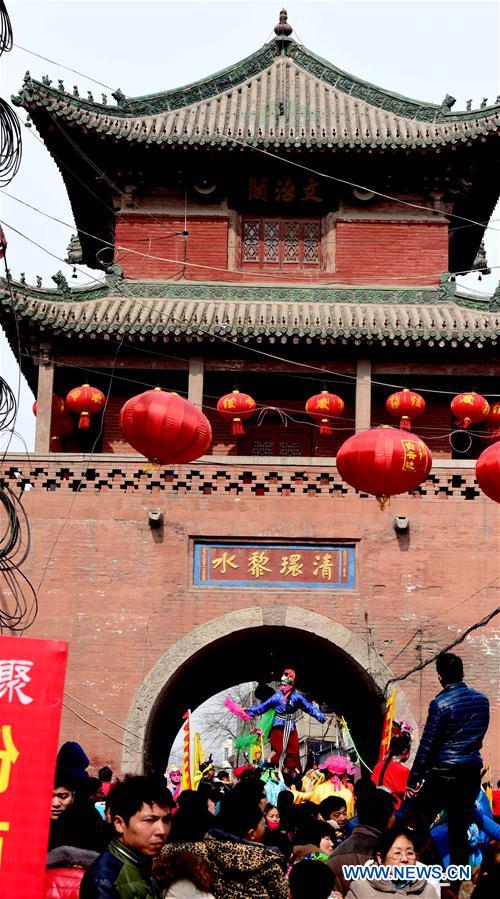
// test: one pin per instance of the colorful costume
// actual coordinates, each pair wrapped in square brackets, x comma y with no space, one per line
[331,783]
[284,738]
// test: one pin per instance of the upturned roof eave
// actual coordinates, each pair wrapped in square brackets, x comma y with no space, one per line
[207,312]
[236,74]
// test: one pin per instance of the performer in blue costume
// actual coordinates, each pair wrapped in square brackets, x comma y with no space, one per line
[284,738]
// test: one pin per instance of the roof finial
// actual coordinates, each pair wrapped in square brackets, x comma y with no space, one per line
[283,30]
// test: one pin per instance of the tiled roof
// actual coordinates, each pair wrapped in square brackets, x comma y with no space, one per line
[249,313]
[269,99]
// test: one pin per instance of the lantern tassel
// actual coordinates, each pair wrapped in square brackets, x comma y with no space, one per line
[467,422]
[382,501]
[84,421]
[237,429]
[325,428]
[404,423]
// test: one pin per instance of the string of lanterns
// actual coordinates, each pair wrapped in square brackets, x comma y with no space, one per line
[383,462]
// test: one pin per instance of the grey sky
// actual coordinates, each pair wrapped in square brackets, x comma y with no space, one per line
[423,50]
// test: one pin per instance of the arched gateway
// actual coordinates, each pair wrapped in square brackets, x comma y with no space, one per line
[332,664]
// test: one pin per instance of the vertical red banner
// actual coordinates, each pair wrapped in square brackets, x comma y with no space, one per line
[31,692]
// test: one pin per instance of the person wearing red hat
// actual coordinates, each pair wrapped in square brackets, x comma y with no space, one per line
[284,737]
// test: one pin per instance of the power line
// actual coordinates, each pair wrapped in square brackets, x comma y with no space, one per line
[482,623]
[62,66]
[101,714]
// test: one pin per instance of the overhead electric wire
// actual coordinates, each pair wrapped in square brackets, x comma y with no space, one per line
[62,66]
[473,627]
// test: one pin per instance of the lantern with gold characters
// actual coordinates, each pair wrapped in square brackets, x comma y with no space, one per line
[165,427]
[85,401]
[405,405]
[469,408]
[236,407]
[384,462]
[325,406]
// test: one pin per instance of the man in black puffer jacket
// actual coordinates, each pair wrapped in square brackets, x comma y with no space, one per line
[446,773]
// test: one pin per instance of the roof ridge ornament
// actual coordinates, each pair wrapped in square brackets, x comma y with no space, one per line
[283,29]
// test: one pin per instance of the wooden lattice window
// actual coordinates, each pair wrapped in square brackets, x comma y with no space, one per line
[281,243]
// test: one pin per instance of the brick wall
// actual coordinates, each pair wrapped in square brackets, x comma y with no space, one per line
[162,237]
[380,251]
[385,251]
[122,598]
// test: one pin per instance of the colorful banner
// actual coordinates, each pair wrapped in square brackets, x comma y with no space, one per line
[276,565]
[387,728]
[187,773]
[31,691]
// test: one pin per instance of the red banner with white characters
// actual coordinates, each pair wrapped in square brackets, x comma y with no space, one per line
[31,692]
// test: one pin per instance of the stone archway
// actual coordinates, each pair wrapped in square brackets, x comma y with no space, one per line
[227,650]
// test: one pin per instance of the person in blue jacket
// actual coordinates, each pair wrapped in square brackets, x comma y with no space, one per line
[284,738]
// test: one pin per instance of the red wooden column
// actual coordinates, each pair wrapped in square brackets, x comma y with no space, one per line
[44,400]
[363,394]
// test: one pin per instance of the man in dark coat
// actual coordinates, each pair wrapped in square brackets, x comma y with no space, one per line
[446,772]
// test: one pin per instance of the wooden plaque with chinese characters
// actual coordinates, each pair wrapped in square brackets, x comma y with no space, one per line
[274,565]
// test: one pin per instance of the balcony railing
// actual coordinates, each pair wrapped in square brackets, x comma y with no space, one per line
[223,475]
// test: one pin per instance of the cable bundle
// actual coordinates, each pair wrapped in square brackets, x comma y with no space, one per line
[10,143]
[8,406]
[19,604]
[5,30]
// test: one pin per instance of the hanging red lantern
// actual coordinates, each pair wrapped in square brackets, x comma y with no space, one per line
[384,462]
[325,406]
[469,408]
[493,422]
[405,405]
[58,407]
[165,428]
[236,406]
[488,471]
[85,401]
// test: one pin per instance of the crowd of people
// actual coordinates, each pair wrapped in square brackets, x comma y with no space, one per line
[243,834]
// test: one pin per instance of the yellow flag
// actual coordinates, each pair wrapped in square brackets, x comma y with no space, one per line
[387,728]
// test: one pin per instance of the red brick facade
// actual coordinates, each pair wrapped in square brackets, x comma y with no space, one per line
[122,599]
[378,251]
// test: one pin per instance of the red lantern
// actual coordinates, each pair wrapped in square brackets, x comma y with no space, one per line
[236,406]
[488,471]
[85,401]
[325,406]
[384,462]
[469,408]
[493,422]
[165,428]
[405,405]
[58,407]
